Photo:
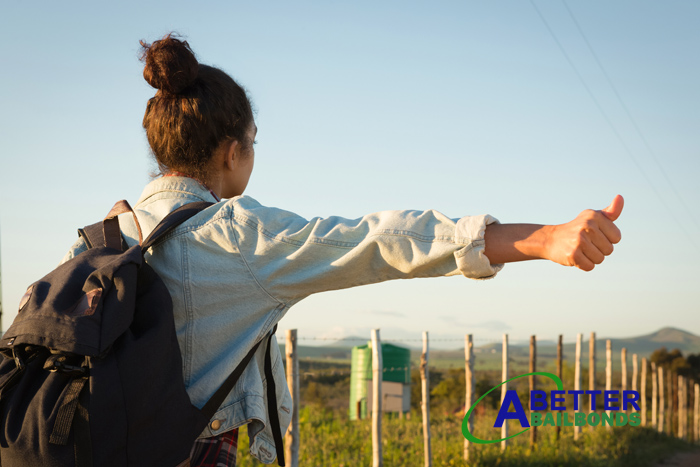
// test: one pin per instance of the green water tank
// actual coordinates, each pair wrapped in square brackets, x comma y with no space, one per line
[396,362]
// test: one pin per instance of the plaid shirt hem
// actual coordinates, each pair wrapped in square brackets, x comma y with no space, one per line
[219,451]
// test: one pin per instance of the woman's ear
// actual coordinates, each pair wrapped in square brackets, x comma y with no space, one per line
[232,152]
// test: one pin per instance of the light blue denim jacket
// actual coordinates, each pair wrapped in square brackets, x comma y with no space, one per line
[236,268]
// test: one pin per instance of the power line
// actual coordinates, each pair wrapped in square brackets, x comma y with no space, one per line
[629,114]
[610,124]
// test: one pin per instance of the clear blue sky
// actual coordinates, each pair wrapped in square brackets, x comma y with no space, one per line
[465,107]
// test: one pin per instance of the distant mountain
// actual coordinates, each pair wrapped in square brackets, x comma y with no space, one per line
[643,346]
[672,335]
[671,338]
[350,342]
[309,352]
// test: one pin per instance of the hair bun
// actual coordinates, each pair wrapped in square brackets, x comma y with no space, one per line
[170,64]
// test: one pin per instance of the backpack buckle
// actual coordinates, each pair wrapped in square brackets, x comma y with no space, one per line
[19,361]
[61,364]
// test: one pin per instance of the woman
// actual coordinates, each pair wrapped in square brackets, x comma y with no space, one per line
[236,268]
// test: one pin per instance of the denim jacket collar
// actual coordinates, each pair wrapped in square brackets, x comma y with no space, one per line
[184,188]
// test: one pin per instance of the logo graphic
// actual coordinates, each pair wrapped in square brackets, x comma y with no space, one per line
[557,415]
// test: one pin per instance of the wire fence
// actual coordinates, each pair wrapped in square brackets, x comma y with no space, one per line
[494,341]
[679,405]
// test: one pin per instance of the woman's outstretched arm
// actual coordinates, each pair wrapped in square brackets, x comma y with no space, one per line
[583,242]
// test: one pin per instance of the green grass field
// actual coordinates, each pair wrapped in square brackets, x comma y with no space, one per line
[328,438]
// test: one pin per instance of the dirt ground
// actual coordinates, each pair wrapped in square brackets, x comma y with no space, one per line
[682,459]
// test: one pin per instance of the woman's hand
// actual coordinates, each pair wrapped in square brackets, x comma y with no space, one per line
[586,240]
[583,242]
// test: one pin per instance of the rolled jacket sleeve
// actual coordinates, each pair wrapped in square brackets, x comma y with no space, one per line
[471,260]
[292,257]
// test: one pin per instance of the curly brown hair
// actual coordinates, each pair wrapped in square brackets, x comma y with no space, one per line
[196,109]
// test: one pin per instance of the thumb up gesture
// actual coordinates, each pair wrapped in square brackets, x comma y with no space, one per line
[583,242]
[586,240]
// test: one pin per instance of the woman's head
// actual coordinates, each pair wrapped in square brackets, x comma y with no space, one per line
[197,111]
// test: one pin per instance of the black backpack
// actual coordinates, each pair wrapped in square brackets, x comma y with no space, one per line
[91,371]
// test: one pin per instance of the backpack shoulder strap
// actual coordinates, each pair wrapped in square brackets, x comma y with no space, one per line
[272,403]
[174,219]
[220,395]
[106,233]
[92,235]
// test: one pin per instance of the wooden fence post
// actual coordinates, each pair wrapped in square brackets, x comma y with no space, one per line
[692,431]
[469,379]
[504,389]
[671,411]
[635,371]
[686,430]
[654,396]
[696,413]
[679,407]
[425,401]
[377,374]
[643,391]
[623,378]
[291,454]
[591,373]
[677,402]
[577,380]
[682,408]
[560,357]
[662,400]
[533,383]
[608,371]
